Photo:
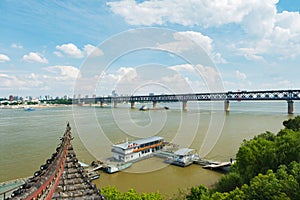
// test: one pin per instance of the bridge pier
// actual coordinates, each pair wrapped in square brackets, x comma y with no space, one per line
[154,104]
[184,105]
[132,106]
[290,107]
[226,106]
[101,104]
[115,103]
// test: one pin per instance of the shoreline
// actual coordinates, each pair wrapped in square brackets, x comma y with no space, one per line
[34,106]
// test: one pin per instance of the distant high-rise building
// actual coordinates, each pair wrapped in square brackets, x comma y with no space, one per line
[11,98]
[113,93]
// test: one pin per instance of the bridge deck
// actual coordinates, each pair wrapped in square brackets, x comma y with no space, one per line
[266,95]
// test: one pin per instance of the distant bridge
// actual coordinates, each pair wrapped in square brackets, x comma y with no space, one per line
[264,95]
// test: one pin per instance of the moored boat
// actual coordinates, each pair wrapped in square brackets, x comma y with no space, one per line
[130,151]
[184,157]
[29,109]
[112,168]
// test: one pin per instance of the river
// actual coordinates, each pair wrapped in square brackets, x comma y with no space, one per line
[29,138]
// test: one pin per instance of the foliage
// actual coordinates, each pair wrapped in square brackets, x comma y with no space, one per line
[111,193]
[229,182]
[261,166]
[60,101]
[199,192]
[293,124]
[32,103]
[265,187]
[256,156]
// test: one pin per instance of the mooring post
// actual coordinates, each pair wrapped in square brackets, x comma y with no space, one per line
[290,106]
[154,104]
[115,104]
[132,106]
[226,105]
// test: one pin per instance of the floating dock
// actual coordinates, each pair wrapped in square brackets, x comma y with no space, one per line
[217,165]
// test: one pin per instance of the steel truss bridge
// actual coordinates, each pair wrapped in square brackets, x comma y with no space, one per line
[263,95]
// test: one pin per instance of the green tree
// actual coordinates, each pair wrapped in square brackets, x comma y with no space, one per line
[198,193]
[152,196]
[293,124]
[256,156]
[111,193]
[288,146]
[131,195]
[229,182]
[294,170]
[289,184]
[265,187]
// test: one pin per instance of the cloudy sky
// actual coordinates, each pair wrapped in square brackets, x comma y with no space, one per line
[46,46]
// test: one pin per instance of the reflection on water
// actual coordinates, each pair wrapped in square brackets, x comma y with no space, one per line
[29,138]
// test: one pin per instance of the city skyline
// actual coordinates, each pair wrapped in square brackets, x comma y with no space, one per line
[44,45]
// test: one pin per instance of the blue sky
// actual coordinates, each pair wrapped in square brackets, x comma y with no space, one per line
[44,45]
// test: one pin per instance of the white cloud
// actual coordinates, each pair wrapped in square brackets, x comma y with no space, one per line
[206,72]
[210,76]
[185,41]
[16,46]
[72,50]
[183,67]
[204,41]
[259,22]
[21,82]
[266,32]
[240,75]
[64,72]
[251,54]
[206,13]
[4,76]
[289,20]
[4,58]
[33,57]
[58,53]
[91,50]
[126,74]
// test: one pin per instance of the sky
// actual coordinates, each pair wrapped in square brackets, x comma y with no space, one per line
[92,47]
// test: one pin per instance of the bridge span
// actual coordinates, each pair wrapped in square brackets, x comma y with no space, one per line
[264,95]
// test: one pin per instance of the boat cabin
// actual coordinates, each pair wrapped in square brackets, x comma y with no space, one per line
[129,151]
[184,157]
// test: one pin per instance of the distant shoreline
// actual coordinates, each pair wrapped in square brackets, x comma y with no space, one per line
[34,106]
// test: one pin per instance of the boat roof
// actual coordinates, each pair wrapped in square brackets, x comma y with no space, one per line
[139,142]
[183,151]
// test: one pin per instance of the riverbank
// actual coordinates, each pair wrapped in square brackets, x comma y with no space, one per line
[33,106]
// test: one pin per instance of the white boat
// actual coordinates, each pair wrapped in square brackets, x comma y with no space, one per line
[129,151]
[112,168]
[184,157]
[92,175]
[143,108]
